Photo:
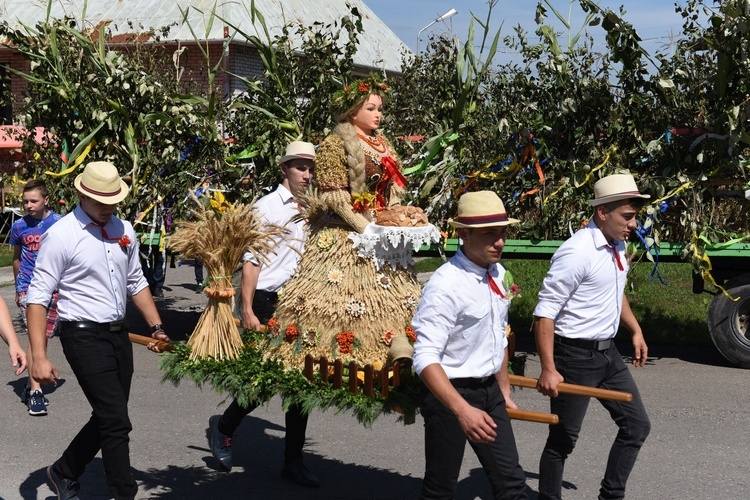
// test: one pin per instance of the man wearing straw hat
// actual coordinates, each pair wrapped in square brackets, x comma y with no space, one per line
[581,305]
[91,257]
[461,356]
[259,288]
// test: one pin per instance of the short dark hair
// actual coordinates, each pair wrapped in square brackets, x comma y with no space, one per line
[36,184]
[636,202]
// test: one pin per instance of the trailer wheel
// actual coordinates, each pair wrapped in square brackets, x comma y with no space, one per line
[728,323]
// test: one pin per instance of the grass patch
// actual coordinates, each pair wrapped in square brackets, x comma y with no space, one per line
[428,264]
[6,255]
[668,314]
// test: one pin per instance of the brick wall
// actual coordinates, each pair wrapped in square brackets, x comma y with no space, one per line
[13,59]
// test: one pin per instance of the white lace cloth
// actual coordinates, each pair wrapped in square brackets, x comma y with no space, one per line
[392,245]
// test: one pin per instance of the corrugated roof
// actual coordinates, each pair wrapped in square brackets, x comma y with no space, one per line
[379,46]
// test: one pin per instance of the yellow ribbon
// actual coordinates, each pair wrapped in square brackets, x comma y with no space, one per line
[607,155]
[76,163]
[706,273]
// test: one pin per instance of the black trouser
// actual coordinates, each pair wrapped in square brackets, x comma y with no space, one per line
[102,361]
[445,442]
[593,368]
[264,306]
[153,264]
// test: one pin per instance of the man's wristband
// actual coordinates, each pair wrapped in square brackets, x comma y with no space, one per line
[157,328]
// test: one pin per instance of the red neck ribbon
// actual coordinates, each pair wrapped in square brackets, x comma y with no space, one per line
[493,285]
[617,257]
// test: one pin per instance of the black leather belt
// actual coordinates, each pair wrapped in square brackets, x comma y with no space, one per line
[266,295]
[471,381]
[594,345]
[114,326]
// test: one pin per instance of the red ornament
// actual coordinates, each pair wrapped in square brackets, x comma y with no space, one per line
[124,241]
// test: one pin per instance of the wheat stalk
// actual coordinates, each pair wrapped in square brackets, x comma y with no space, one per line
[219,240]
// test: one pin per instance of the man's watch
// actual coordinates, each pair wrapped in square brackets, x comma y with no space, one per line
[157,328]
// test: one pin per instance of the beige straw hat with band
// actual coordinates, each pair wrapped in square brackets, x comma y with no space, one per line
[298,149]
[101,182]
[481,209]
[614,188]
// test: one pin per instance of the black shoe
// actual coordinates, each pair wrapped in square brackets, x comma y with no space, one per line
[158,293]
[298,473]
[66,489]
[221,445]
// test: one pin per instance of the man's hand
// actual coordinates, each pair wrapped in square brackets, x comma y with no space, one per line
[18,358]
[161,337]
[249,319]
[640,349]
[44,371]
[548,382]
[477,425]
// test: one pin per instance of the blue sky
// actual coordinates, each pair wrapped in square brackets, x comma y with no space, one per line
[653,19]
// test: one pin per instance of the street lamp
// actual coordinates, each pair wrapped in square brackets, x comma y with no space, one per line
[445,16]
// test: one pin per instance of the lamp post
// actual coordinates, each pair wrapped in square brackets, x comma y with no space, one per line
[445,16]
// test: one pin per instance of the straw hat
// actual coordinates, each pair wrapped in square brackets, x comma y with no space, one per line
[298,149]
[614,188]
[481,209]
[101,181]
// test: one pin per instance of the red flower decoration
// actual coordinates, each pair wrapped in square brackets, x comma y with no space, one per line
[363,87]
[410,333]
[292,333]
[124,241]
[345,341]
[274,326]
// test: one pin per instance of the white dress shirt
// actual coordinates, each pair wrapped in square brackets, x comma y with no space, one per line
[279,208]
[94,275]
[582,292]
[460,322]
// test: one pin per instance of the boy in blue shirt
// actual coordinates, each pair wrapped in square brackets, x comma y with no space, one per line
[25,235]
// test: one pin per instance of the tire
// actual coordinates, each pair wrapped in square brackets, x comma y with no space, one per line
[729,325]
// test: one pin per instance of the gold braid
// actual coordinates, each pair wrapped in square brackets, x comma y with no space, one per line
[355,157]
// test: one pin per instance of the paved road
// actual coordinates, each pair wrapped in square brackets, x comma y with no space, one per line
[698,448]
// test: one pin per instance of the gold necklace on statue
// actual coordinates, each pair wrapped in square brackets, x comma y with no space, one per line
[375,142]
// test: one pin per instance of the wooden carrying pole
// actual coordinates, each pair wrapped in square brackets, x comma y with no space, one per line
[574,389]
[533,416]
[143,340]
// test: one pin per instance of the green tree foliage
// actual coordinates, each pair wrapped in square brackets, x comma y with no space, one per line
[114,103]
[539,130]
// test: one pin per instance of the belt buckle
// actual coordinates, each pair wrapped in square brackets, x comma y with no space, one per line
[482,380]
[116,326]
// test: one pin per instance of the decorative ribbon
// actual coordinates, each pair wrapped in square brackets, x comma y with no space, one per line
[493,285]
[390,172]
[123,240]
[617,257]
[76,163]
